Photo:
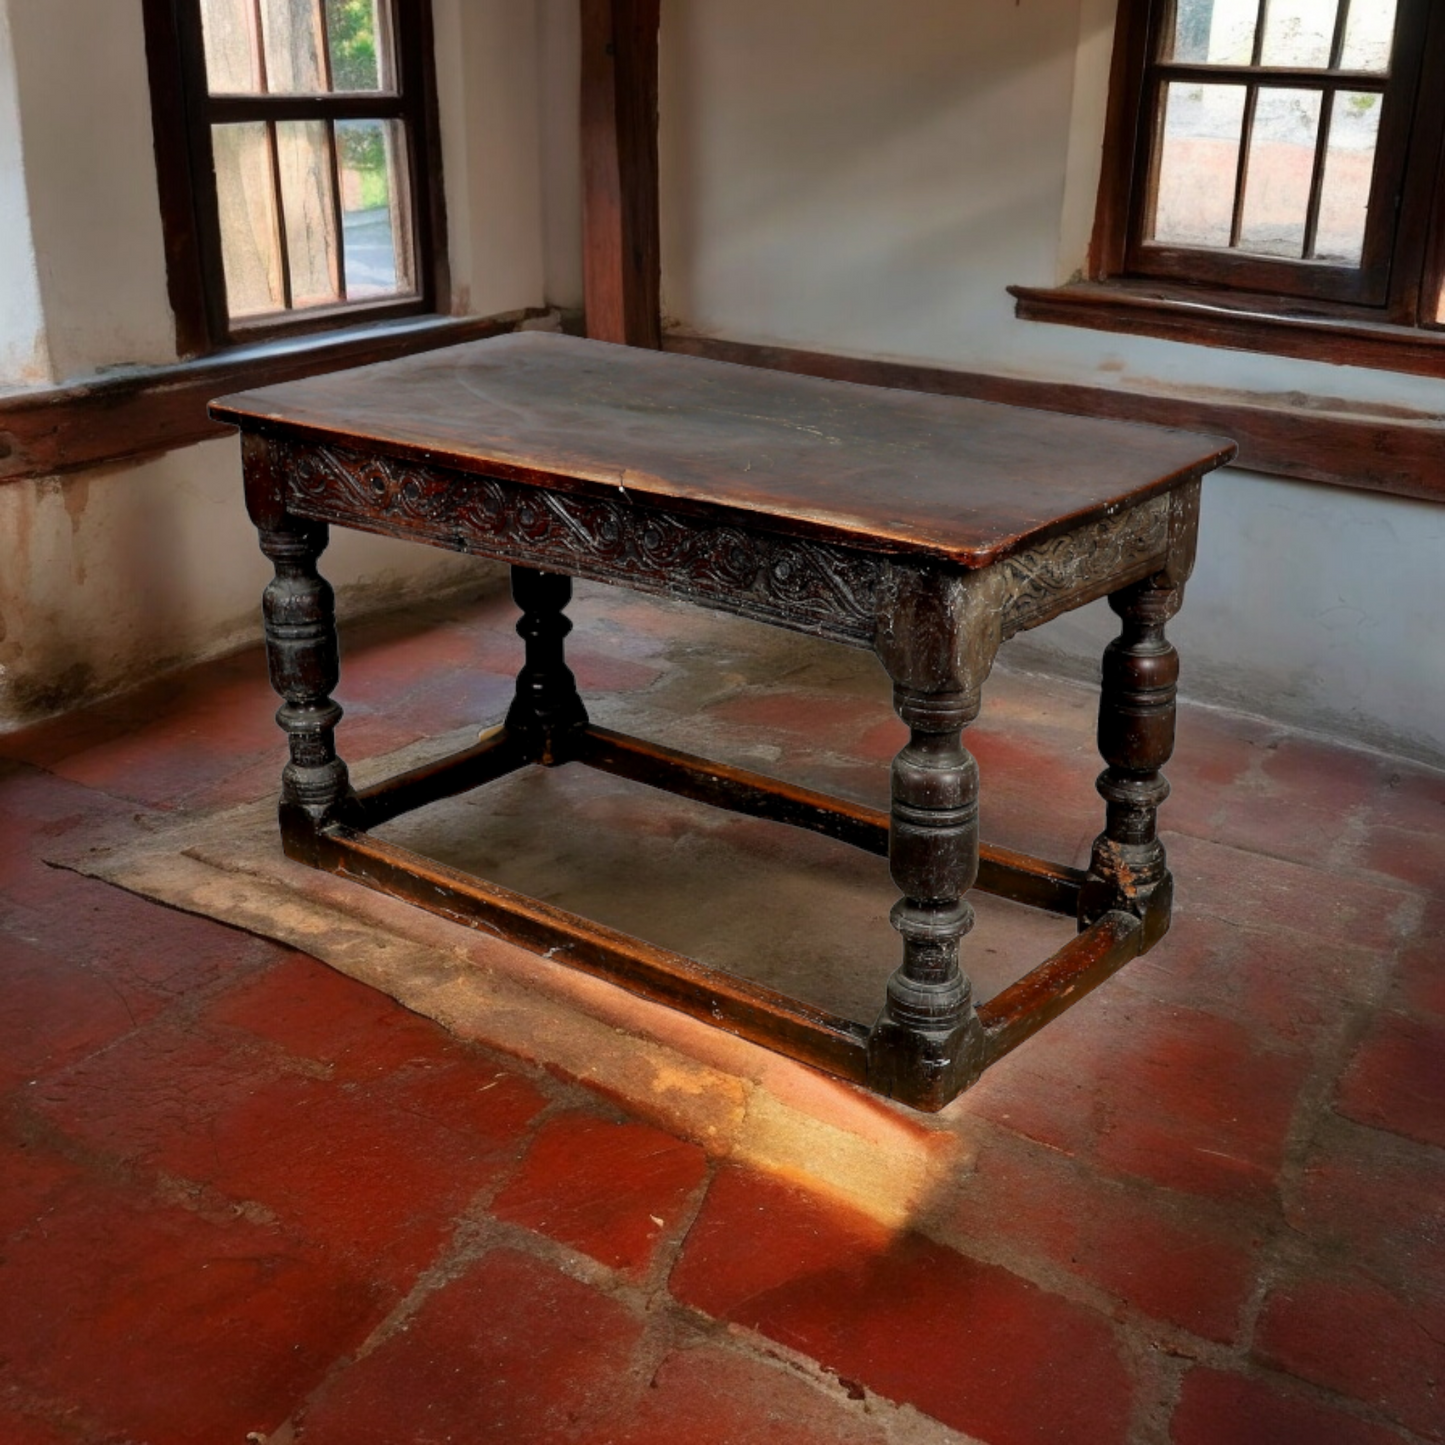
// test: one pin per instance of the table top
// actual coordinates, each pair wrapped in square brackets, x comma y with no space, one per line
[897,471]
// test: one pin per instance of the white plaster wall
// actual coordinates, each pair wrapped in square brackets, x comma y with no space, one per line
[113,574]
[559,98]
[90,174]
[24,356]
[487,82]
[843,175]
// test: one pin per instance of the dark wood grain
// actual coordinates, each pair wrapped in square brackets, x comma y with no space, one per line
[738,488]
[622,269]
[1394,451]
[883,470]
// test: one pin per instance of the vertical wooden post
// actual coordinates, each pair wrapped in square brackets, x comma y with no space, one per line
[1136,738]
[622,264]
[304,663]
[937,636]
[547,709]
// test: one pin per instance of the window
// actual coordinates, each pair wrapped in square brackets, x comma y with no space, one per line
[296,146]
[1273,159]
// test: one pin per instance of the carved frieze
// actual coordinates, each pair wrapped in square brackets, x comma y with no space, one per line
[808,586]
[1067,571]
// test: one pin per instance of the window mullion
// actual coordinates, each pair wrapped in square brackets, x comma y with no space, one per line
[1241,169]
[1317,174]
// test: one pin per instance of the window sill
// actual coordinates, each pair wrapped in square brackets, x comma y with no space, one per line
[125,415]
[1204,319]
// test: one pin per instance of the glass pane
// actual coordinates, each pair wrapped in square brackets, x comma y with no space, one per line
[1349,168]
[1194,203]
[1299,32]
[358,33]
[250,247]
[1214,32]
[1281,166]
[304,159]
[229,31]
[293,46]
[375,214]
[1368,35]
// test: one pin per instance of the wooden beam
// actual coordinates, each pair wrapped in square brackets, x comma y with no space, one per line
[141,412]
[622,266]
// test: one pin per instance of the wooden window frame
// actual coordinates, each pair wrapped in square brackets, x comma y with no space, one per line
[1379,316]
[183,112]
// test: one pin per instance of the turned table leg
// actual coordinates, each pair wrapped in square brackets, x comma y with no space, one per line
[922,1045]
[1136,738]
[304,662]
[937,637]
[547,707]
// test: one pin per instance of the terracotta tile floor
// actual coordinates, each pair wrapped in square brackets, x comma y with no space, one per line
[246,1199]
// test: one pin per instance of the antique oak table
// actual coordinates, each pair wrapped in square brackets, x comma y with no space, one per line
[926,528]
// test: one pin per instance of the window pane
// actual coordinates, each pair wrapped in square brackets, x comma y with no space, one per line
[357,32]
[304,158]
[229,31]
[1299,32]
[1281,166]
[293,46]
[1214,32]
[1349,168]
[1194,204]
[250,249]
[1369,33]
[375,209]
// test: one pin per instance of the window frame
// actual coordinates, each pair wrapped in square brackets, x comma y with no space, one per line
[1367,284]
[1398,334]
[183,112]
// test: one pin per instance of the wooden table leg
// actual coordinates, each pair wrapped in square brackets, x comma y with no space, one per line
[547,708]
[937,637]
[1136,738]
[304,662]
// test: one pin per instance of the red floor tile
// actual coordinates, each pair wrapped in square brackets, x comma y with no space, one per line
[1351,1335]
[314,1011]
[511,1351]
[609,1190]
[377,1172]
[1296,988]
[998,1358]
[56,1012]
[167,1326]
[1245,887]
[1411,799]
[1396,1080]
[710,1396]
[1414,859]
[22,1428]
[1170,1257]
[1222,1409]
[1329,776]
[33,1178]
[1376,1200]
[1187,1099]
[1420,981]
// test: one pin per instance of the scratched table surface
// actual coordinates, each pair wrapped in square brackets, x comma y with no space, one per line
[895,471]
